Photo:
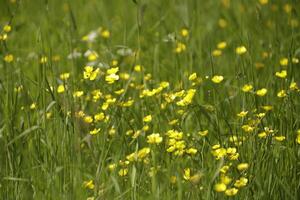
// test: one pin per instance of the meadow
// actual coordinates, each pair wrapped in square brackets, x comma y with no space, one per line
[148,99]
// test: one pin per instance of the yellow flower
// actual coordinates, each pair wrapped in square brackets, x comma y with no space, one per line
[231,192]
[64,76]
[225,179]
[105,34]
[193,76]
[217,79]
[137,68]
[180,47]
[123,172]
[112,167]
[187,174]
[281,74]
[242,182]
[90,73]
[154,138]
[61,89]
[298,138]
[294,86]
[78,93]
[216,52]
[89,184]
[222,23]
[111,78]
[203,133]
[222,45]
[8,58]
[247,88]
[240,50]
[262,134]
[281,94]
[280,138]
[263,2]
[247,128]
[147,118]
[7,28]
[43,59]
[191,151]
[187,99]
[295,60]
[33,106]
[242,166]
[242,114]
[220,187]
[88,119]
[184,32]
[262,92]
[95,131]
[284,62]
[267,108]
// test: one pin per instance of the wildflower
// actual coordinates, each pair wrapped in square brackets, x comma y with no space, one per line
[216,53]
[280,138]
[220,187]
[263,2]
[242,166]
[222,23]
[295,60]
[262,92]
[281,74]
[187,98]
[222,45]
[191,151]
[88,119]
[231,192]
[247,128]
[137,68]
[193,76]
[184,32]
[247,88]
[173,179]
[262,134]
[95,131]
[123,172]
[147,118]
[112,167]
[64,76]
[298,137]
[267,107]
[217,79]
[187,174]
[44,59]
[242,182]
[240,50]
[78,93]
[61,89]
[99,117]
[281,94]
[111,78]
[33,106]
[89,184]
[294,86]
[7,28]
[90,73]
[284,62]
[225,179]
[154,138]
[242,114]
[180,47]
[105,34]
[8,58]
[203,133]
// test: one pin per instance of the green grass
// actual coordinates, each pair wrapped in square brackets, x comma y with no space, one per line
[53,157]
